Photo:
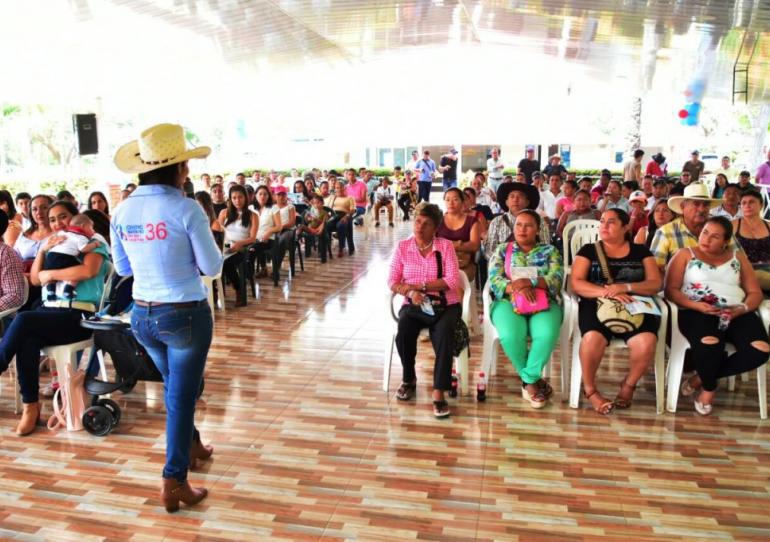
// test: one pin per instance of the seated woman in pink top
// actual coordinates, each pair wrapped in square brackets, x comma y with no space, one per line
[566,203]
[424,270]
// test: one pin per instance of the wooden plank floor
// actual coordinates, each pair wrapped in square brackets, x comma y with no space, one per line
[309,448]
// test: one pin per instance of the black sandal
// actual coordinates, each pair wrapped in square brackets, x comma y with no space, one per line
[622,402]
[441,409]
[406,391]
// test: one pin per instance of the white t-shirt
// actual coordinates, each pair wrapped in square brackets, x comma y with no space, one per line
[384,193]
[73,244]
[495,168]
[265,220]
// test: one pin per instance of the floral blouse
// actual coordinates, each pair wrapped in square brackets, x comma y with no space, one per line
[543,256]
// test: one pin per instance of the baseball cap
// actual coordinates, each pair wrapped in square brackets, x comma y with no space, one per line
[695,151]
[637,195]
[280,190]
[745,173]
[453,150]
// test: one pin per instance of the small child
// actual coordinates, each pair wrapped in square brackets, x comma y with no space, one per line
[77,240]
[315,219]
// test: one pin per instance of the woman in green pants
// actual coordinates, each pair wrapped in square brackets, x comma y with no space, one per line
[525,278]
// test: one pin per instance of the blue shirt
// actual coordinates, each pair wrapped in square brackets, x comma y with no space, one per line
[427,168]
[163,239]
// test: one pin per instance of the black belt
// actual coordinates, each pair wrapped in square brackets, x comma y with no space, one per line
[185,305]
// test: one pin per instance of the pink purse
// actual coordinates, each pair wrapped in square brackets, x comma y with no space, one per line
[522,305]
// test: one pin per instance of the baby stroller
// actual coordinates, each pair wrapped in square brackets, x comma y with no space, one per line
[112,335]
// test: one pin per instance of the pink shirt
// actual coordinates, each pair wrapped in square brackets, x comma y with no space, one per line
[763,173]
[409,266]
[358,192]
[567,204]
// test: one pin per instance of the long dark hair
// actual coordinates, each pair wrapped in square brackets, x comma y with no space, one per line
[101,195]
[625,220]
[204,199]
[33,225]
[232,212]
[7,198]
[269,203]
[101,223]
[167,175]
[653,227]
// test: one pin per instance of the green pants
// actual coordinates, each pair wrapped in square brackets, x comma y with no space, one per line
[513,329]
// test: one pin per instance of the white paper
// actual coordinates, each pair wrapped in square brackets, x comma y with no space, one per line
[643,305]
[528,273]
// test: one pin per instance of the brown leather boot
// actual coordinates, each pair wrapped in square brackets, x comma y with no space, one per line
[173,491]
[30,418]
[199,452]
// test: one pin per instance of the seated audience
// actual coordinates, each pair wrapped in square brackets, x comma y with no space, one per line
[314,227]
[218,198]
[204,200]
[300,188]
[287,217]
[14,229]
[269,224]
[753,235]
[28,244]
[513,197]
[240,226]
[101,225]
[632,270]
[11,274]
[424,270]
[344,209]
[23,200]
[659,216]
[474,210]
[407,195]
[383,197]
[582,211]
[77,239]
[461,229]
[637,202]
[484,194]
[97,200]
[720,182]
[58,322]
[527,306]
[718,295]
[613,198]
[731,203]
[566,203]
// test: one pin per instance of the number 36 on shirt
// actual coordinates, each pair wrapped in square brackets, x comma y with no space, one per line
[155,231]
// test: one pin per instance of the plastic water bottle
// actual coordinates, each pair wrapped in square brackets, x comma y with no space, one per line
[453,391]
[481,387]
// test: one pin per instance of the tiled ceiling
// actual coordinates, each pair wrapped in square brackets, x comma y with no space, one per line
[631,35]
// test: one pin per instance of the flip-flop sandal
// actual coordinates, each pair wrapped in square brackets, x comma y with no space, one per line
[406,391]
[605,408]
[538,400]
[440,409]
[545,387]
[622,402]
[687,389]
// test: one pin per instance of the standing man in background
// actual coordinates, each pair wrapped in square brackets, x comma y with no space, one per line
[495,169]
[763,172]
[694,166]
[529,165]
[410,165]
[449,169]
[632,170]
[425,168]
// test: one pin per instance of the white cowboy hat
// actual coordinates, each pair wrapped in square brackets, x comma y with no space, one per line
[158,146]
[693,191]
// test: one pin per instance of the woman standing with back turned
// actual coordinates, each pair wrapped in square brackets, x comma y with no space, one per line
[164,240]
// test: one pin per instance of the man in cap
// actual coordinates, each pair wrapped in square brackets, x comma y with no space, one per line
[744,181]
[512,197]
[529,165]
[554,167]
[448,167]
[425,168]
[694,166]
[682,183]
[683,232]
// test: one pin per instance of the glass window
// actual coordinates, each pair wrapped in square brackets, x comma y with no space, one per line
[399,157]
[475,156]
[385,158]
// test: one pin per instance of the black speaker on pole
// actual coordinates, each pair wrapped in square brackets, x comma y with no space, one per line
[85,128]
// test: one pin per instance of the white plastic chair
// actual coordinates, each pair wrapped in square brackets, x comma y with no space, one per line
[461,361]
[492,342]
[680,344]
[65,354]
[209,283]
[575,235]
[658,362]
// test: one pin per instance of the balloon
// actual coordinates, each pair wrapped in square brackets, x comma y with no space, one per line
[683,114]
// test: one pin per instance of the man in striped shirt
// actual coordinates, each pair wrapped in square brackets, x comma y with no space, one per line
[11,272]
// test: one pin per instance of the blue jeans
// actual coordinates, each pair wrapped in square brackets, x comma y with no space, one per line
[28,333]
[423,191]
[449,183]
[494,184]
[177,340]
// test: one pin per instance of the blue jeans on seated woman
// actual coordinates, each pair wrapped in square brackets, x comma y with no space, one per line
[28,333]
[177,339]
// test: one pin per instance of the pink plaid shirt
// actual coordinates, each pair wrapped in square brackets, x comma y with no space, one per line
[11,278]
[409,266]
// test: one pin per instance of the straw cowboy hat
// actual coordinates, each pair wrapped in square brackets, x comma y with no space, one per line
[158,146]
[693,191]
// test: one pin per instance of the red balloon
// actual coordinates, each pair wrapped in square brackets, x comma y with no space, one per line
[688,92]
[683,114]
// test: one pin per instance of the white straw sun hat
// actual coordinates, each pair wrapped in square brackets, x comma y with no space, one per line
[693,191]
[158,146]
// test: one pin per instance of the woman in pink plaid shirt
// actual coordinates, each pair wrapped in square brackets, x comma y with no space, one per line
[424,270]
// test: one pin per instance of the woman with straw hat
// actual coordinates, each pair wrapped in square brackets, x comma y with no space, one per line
[164,240]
